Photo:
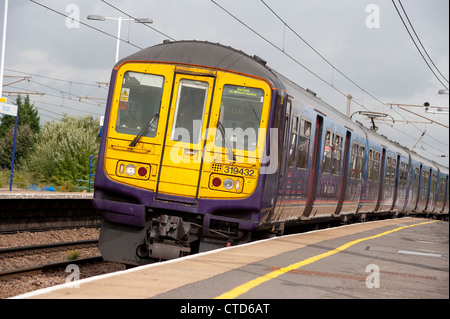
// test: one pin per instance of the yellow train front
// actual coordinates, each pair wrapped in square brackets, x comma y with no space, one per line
[183,145]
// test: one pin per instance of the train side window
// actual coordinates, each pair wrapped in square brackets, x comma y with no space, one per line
[337,153]
[388,170]
[406,174]
[327,152]
[434,184]
[303,144]
[441,188]
[359,165]
[353,160]
[370,166]
[376,167]
[402,168]
[393,170]
[416,178]
[403,173]
[293,146]
[425,180]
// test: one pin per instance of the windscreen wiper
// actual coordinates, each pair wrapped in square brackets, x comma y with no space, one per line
[227,143]
[144,130]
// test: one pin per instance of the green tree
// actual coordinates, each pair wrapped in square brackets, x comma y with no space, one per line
[27,113]
[63,149]
[27,128]
[25,141]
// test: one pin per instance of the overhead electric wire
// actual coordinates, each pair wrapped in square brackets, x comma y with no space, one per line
[307,69]
[284,52]
[415,44]
[51,78]
[262,37]
[420,42]
[320,55]
[87,25]
[130,16]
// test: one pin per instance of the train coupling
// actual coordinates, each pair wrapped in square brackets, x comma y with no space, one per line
[167,238]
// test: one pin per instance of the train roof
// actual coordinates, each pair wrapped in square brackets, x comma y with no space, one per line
[310,98]
[206,54]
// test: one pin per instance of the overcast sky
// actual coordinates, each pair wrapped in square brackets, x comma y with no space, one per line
[363,39]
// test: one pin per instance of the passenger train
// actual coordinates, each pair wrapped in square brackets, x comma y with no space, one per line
[204,145]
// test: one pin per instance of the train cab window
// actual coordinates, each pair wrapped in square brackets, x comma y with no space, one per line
[240,115]
[189,110]
[327,152]
[303,144]
[292,148]
[139,103]
[376,167]
[337,153]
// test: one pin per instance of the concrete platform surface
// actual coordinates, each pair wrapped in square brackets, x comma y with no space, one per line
[396,258]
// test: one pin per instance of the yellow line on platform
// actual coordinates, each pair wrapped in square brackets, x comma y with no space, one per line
[242,289]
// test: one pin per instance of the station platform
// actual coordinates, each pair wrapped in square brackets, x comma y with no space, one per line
[406,258]
[29,194]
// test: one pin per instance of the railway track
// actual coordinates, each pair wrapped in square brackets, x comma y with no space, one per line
[49,266]
[35,260]
[46,256]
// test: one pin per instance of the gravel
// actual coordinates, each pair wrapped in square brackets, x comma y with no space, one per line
[15,285]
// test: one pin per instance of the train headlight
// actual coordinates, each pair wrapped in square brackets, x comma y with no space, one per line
[228,183]
[133,170]
[130,170]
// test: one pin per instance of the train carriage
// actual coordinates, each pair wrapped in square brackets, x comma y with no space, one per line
[203,145]
[424,197]
[401,182]
[373,173]
[414,183]
[441,202]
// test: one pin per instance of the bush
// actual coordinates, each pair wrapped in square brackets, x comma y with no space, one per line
[61,155]
[25,141]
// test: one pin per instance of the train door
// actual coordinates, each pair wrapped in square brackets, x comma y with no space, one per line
[441,199]
[433,191]
[344,175]
[413,186]
[382,179]
[314,170]
[281,205]
[181,158]
[424,189]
